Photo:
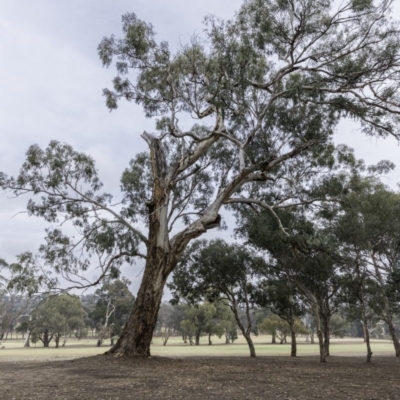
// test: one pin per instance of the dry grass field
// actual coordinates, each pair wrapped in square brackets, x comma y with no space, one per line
[13,350]
[180,371]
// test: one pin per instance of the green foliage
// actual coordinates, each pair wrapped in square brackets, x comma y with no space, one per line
[276,326]
[112,302]
[201,320]
[57,316]
[216,270]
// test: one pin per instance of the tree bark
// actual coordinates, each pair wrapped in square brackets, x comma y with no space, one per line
[322,355]
[250,344]
[46,340]
[245,332]
[327,335]
[273,340]
[392,331]
[293,350]
[227,337]
[197,339]
[137,334]
[320,333]
[27,339]
[367,342]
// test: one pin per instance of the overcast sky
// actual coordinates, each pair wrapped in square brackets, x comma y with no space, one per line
[51,83]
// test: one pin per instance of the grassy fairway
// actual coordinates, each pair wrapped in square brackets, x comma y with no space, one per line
[14,351]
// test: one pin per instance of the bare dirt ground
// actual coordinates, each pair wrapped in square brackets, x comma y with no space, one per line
[105,377]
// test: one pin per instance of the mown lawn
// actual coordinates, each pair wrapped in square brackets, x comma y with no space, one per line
[14,351]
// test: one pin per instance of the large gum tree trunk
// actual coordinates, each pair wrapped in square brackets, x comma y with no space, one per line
[162,256]
[161,259]
[137,334]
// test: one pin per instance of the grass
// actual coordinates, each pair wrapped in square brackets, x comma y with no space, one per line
[14,350]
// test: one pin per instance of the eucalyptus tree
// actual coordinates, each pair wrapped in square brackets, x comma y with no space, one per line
[265,92]
[368,228]
[165,322]
[217,270]
[199,320]
[358,297]
[281,296]
[280,328]
[113,304]
[16,299]
[301,255]
[56,317]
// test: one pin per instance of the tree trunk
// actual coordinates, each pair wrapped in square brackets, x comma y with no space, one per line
[209,339]
[27,339]
[250,344]
[57,340]
[367,342]
[293,351]
[392,331]
[227,336]
[245,332]
[327,335]
[46,338]
[320,333]
[197,342]
[322,355]
[317,318]
[387,311]
[162,254]
[137,334]
[273,341]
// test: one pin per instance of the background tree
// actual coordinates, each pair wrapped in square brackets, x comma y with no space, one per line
[113,304]
[368,228]
[165,322]
[199,320]
[16,299]
[56,317]
[279,294]
[280,328]
[219,271]
[265,90]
